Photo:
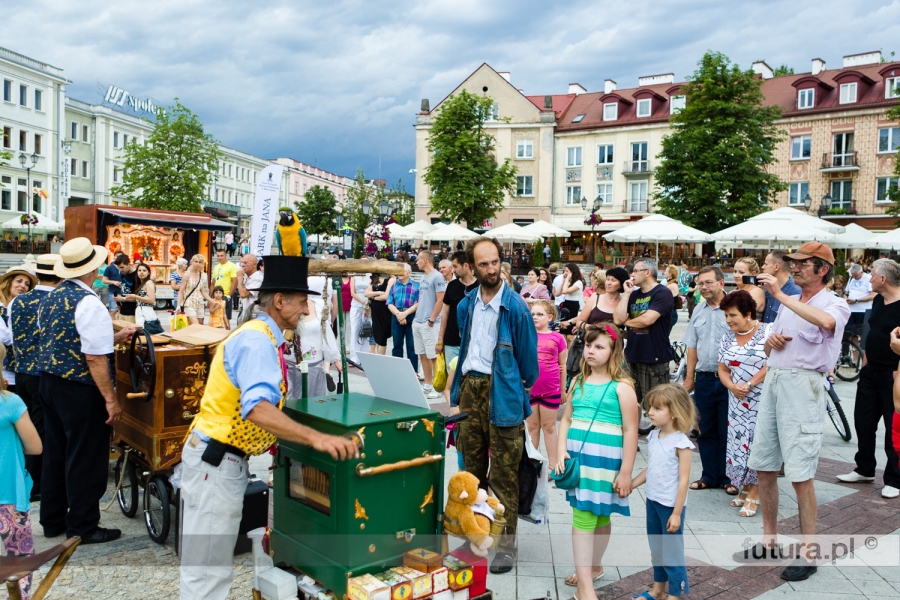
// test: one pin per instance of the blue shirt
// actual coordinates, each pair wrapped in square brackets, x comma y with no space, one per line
[15,482]
[484,333]
[772,305]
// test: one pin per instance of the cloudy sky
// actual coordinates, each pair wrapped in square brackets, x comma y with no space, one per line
[338,83]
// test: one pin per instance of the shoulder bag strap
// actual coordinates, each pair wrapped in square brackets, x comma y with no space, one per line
[596,412]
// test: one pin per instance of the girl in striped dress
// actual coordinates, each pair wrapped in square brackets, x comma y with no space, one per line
[600,421]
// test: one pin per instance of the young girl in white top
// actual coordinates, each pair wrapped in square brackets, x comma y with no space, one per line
[667,475]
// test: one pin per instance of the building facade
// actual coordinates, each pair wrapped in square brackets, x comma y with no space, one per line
[301,177]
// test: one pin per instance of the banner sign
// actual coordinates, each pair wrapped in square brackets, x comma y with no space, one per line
[265,210]
[64,182]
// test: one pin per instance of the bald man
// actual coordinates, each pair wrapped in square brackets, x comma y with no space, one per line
[251,278]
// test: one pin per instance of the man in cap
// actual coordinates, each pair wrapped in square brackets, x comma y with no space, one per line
[76,391]
[240,416]
[802,349]
[25,330]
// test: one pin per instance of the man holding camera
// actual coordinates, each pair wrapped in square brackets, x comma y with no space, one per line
[776,266]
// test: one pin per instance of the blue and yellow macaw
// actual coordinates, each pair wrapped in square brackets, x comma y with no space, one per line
[290,234]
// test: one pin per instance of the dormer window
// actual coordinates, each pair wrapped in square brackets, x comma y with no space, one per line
[848,93]
[643,107]
[676,104]
[806,98]
[890,87]
[610,111]
[578,118]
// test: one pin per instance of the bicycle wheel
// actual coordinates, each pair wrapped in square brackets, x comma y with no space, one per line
[127,493]
[849,362]
[836,414]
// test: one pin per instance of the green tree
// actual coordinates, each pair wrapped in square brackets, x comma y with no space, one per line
[537,254]
[174,168]
[406,214]
[714,168]
[318,210]
[354,216]
[554,250]
[465,180]
[783,70]
[894,192]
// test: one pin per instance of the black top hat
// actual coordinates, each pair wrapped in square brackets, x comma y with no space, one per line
[286,274]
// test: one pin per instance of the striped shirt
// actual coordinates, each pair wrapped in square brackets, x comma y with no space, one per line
[403,295]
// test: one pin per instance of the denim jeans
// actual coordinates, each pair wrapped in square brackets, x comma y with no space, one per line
[402,333]
[667,549]
[711,399]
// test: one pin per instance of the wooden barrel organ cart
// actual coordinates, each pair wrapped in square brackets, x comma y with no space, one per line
[159,383]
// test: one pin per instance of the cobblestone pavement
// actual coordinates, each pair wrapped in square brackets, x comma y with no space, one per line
[136,567]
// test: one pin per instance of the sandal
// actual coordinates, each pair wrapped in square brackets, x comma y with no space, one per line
[645,595]
[700,485]
[572,580]
[731,490]
[739,501]
[749,512]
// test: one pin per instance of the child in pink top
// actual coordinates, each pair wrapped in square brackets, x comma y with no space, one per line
[550,387]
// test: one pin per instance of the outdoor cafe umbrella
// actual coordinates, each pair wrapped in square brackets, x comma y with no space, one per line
[43,225]
[394,229]
[546,230]
[772,232]
[452,232]
[656,229]
[800,217]
[885,241]
[414,231]
[512,233]
[854,237]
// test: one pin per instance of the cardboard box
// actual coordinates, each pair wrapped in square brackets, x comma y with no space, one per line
[367,587]
[444,595]
[401,587]
[423,560]
[199,335]
[440,580]
[461,594]
[421,582]
[460,576]
[479,570]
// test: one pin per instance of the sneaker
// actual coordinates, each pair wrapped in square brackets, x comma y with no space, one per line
[854,477]
[889,492]
[433,394]
[800,570]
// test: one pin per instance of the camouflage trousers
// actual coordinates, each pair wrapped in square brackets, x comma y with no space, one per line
[477,436]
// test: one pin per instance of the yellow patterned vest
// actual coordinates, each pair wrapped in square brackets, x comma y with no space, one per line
[220,407]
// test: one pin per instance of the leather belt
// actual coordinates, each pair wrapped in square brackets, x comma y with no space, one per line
[706,374]
[478,374]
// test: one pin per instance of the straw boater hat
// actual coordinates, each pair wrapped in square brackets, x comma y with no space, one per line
[78,257]
[46,263]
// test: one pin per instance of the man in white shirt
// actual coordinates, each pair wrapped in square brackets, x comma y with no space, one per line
[250,281]
[859,295]
[558,297]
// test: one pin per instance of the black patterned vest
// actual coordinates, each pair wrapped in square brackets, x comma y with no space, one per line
[26,334]
[60,352]
[9,363]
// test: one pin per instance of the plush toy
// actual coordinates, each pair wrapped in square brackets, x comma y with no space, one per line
[468,510]
[290,236]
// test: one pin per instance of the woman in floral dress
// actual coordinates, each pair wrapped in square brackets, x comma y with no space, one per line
[742,368]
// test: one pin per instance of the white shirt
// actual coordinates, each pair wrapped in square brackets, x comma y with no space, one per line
[662,466]
[859,288]
[557,284]
[577,295]
[253,281]
[229,238]
[360,285]
[483,333]
[314,346]
[93,323]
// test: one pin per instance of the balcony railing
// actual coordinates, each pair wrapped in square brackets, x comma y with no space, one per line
[636,167]
[833,161]
[839,206]
[637,205]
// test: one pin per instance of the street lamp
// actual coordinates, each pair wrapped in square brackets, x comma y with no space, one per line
[366,208]
[825,205]
[807,201]
[29,194]
[594,209]
[384,210]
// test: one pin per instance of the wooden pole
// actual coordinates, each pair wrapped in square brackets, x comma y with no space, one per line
[355,267]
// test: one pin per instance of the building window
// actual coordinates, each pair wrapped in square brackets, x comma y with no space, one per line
[605,193]
[38,100]
[843,150]
[643,107]
[7,90]
[604,154]
[638,200]
[806,98]
[23,95]
[5,200]
[889,139]
[525,149]
[639,162]
[676,104]
[22,201]
[842,194]
[611,111]
[801,147]
[124,139]
[578,118]
[37,144]
[493,113]
[73,167]
[797,192]
[85,133]
[883,185]
[115,174]
[229,169]
[573,195]
[890,87]
[7,137]
[848,93]
[23,140]
[74,135]
[296,188]
[36,198]
[573,156]
[524,185]
[85,169]
[115,139]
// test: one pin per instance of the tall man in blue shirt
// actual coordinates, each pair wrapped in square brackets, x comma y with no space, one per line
[498,364]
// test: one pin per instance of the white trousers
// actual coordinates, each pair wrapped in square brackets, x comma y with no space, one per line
[356,346]
[213,503]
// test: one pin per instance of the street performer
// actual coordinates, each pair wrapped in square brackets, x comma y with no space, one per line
[240,416]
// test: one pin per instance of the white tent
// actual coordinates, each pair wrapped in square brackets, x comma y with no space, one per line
[414,231]
[800,217]
[511,233]
[772,233]
[44,224]
[658,229]
[885,241]
[854,237]
[546,230]
[394,229]
[450,233]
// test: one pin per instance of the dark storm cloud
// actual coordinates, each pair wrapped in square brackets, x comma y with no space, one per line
[339,83]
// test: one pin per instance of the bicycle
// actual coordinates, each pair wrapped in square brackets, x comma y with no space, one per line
[836,411]
[849,362]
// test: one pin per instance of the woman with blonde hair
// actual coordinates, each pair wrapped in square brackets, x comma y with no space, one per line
[747,266]
[16,280]
[194,291]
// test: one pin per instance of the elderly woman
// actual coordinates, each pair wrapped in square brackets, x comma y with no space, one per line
[194,291]
[742,268]
[742,369]
[16,280]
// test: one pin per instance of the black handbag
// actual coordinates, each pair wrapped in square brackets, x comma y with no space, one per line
[365,329]
[576,349]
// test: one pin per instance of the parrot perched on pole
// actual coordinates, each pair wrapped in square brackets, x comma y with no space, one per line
[290,234]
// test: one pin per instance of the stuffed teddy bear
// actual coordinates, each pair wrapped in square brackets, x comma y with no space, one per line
[468,512]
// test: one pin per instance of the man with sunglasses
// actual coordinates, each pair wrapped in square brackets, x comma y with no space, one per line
[802,349]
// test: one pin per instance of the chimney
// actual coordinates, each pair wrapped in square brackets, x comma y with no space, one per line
[576,88]
[761,68]
[866,58]
[426,107]
[504,75]
[818,65]
[609,86]
[656,79]
[548,102]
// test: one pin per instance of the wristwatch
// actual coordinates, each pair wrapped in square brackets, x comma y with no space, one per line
[430,321]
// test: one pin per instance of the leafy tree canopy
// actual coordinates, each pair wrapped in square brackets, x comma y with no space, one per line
[784,70]
[318,210]
[714,167]
[354,217]
[406,213]
[466,182]
[174,168]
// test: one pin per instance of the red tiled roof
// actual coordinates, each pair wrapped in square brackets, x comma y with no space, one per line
[591,106]
[560,102]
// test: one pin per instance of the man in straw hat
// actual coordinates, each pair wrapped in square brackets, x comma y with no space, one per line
[76,341]
[247,377]
[26,343]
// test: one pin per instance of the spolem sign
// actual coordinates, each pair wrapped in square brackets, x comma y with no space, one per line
[119,97]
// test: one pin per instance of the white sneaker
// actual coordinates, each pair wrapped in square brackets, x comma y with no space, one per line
[434,395]
[889,492]
[854,477]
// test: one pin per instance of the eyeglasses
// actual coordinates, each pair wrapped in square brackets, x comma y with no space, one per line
[706,284]
[639,270]
[800,264]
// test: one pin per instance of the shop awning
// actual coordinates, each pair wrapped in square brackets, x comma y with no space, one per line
[166,218]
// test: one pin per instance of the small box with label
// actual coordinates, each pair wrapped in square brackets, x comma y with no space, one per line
[423,560]
[421,582]
[367,587]
[440,580]
[401,587]
[460,576]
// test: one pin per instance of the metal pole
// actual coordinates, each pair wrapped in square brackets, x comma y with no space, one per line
[336,286]
[28,201]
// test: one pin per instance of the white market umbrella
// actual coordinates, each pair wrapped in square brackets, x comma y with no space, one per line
[658,229]
[854,237]
[773,231]
[394,229]
[511,233]
[415,231]
[546,230]
[43,225]
[800,217]
[452,232]
[885,241]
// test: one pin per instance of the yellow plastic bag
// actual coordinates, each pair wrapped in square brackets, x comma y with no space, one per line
[440,372]
[179,321]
